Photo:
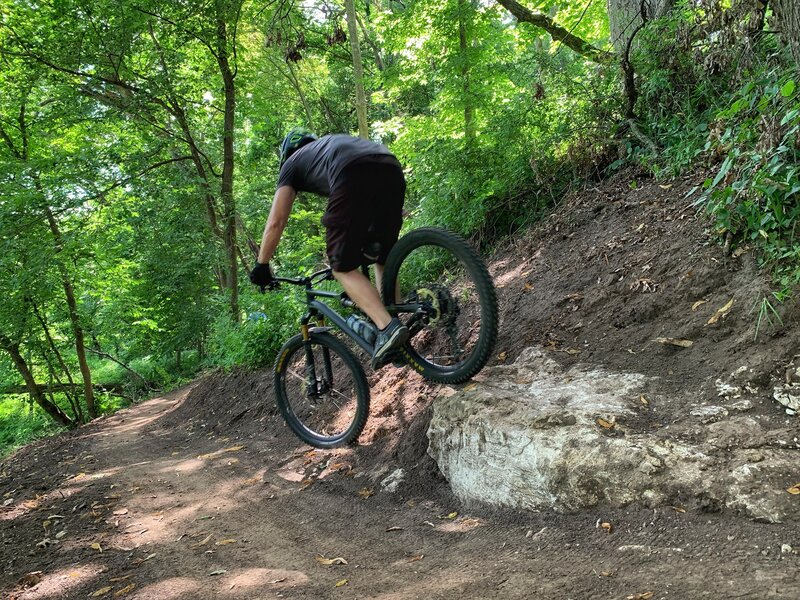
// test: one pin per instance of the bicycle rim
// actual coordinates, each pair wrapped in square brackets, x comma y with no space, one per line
[331,409]
[439,272]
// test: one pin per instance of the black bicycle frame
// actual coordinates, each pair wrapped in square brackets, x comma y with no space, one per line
[317,308]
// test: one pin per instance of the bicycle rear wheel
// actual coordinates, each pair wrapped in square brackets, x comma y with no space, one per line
[321,390]
[444,294]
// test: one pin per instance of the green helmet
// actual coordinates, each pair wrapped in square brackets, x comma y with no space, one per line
[295,139]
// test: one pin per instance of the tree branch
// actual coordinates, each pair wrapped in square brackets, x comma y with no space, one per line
[558,33]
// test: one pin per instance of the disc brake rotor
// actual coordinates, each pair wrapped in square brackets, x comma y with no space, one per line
[441,307]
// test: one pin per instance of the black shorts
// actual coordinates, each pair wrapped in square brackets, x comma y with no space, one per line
[365,208]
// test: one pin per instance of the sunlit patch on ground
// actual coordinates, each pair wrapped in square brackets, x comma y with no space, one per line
[252,583]
[185,466]
[61,583]
[174,588]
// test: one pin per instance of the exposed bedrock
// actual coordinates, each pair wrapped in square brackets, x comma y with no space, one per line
[531,435]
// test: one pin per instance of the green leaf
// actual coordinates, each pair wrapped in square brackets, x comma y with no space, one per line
[788,88]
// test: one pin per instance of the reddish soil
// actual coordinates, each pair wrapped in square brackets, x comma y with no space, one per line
[204,493]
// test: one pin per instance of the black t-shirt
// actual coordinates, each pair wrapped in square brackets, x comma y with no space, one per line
[316,166]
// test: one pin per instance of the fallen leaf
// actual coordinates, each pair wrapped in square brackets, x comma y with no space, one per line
[528,286]
[698,304]
[124,590]
[204,518]
[120,512]
[102,591]
[720,313]
[605,424]
[97,547]
[394,529]
[451,516]
[739,251]
[225,542]
[795,489]
[572,351]
[665,186]
[366,493]
[605,573]
[502,356]
[679,509]
[61,534]
[118,579]
[219,452]
[416,558]
[642,596]
[607,527]
[644,400]
[202,543]
[330,561]
[281,580]
[470,387]
[675,342]
[218,572]
[340,583]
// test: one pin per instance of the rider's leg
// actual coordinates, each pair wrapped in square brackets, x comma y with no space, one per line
[364,294]
[379,280]
[378,277]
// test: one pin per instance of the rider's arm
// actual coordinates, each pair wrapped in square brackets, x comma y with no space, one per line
[278,217]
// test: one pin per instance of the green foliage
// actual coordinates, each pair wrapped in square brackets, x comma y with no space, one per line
[754,194]
[21,422]
[255,342]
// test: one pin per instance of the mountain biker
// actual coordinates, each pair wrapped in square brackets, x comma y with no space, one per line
[365,187]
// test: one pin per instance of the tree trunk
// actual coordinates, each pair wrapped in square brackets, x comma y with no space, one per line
[358,70]
[35,391]
[228,202]
[74,318]
[787,16]
[465,8]
[625,18]
[76,407]
[299,89]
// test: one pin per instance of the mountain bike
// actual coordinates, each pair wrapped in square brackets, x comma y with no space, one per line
[436,283]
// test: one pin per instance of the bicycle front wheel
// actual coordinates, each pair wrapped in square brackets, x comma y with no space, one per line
[321,390]
[439,286]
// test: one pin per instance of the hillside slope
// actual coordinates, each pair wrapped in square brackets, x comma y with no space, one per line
[205,494]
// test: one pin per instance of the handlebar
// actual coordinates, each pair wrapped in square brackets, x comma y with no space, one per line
[325,274]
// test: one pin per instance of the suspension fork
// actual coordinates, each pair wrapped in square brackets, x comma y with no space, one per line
[326,359]
[315,387]
[311,372]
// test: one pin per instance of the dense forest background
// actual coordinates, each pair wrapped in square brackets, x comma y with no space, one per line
[138,155]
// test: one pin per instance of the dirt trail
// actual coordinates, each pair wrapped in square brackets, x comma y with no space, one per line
[183,514]
[205,494]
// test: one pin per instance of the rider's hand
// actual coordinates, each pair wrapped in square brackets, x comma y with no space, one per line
[261,275]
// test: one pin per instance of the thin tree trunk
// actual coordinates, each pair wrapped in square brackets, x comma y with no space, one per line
[31,387]
[76,407]
[72,305]
[228,203]
[463,46]
[299,89]
[368,37]
[358,70]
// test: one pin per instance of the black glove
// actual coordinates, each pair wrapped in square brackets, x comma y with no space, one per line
[261,275]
